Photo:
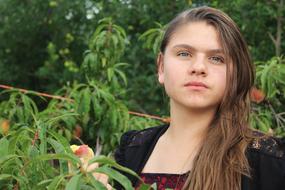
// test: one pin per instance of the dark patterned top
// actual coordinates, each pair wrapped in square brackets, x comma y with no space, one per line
[265,155]
[164,180]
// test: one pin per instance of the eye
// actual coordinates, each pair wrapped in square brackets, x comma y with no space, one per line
[183,54]
[217,59]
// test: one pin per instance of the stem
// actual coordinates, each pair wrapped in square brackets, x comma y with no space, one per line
[77,138]
[279,119]
[277,40]
[98,147]
[165,120]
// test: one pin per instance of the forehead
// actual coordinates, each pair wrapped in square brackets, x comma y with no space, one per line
[200,35]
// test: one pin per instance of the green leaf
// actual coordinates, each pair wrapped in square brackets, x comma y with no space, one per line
[95,183]
[121,65]
[147,33]
[33,151]
[42,137]
[55,182]
[14,140]
[261,125]
[59,149]
[73,183]
[5,176]
[106,160]
[123,180]
[4,144]
[68,157]
[113,116]
[99,29]
[32,103]
[27,107]
[104,61]
[44,182]
[98,110]
[115,40]
[110,73]
[156,45]
[61,140]
[144,186]
[68,134]
[4,159]
[55,119]
[263,78]
[85,100]
[121,30]
[154,186]
[122,75]
[21,180]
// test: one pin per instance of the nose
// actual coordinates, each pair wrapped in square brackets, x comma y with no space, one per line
[198,66]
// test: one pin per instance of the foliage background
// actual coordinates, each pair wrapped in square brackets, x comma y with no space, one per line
[100,55]
[43,43]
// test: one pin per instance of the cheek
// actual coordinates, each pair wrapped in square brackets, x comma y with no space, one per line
[171,76]
[173,73]
[221,79]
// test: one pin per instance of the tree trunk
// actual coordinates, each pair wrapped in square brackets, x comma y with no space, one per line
[277,40]
[279,28]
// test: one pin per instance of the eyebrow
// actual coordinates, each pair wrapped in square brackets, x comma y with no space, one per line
[186,46]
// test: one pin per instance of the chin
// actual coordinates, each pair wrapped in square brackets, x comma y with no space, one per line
[195,102]
[196,105]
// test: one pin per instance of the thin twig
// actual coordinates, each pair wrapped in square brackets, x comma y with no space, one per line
[98,147]
[279,119]
[77,138]
[37,93]
[165,120]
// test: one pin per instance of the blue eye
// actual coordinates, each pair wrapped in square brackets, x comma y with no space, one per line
[217,59]
[183,54]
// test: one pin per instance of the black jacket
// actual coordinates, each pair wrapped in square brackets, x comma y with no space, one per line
[266,158]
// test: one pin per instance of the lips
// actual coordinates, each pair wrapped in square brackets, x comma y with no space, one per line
[196,84]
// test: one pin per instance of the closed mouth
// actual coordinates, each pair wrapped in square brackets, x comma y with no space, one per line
[196,84]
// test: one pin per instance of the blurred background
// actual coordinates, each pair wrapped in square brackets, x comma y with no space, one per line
[74,48]
[42,43]
[94,60]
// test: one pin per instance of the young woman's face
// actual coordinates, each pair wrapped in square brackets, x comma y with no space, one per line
[193,67]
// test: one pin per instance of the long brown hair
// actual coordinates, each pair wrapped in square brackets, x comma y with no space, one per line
[221,161]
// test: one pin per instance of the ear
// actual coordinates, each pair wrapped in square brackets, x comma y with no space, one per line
[160,68]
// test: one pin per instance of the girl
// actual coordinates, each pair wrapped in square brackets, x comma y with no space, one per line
[207,73]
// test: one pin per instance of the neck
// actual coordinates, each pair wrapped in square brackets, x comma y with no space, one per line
[188,125]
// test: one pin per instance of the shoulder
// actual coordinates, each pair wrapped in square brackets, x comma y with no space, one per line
[136,138]
[139,137]
[266,156]
[267,145]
